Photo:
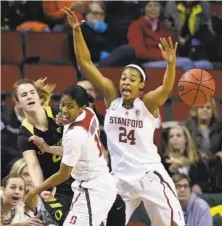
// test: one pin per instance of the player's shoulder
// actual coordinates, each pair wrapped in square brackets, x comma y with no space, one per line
[89,119]
[51,113]
[74,133]
[26,129]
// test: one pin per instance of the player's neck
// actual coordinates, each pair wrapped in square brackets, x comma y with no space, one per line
[38,119]
[128,104]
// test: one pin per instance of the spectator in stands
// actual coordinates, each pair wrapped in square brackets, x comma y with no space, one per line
[20,167]
[13,124]
[53,11]
[205,126]
[191,22]
[144,35]
[23,16]
[104,50]
[9,135]
[119,24]
[182,156]
[196,210]
[12,208]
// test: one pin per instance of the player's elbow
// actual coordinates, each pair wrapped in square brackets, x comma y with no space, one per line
[63,175]
[166,90]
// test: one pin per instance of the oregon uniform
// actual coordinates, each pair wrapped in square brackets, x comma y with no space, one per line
[50,164]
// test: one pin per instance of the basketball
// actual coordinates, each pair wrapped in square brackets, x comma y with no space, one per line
[196,87]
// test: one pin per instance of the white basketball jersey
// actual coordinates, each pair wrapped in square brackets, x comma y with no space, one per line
[85,154]
[130,139]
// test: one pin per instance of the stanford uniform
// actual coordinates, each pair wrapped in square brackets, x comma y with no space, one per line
[94,188]
[137,166]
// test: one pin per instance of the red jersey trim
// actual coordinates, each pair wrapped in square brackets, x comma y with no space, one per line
[85,123]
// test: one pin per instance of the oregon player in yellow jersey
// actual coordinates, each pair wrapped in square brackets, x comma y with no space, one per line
[40,121]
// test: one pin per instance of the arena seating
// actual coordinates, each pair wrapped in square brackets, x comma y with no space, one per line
[50,47]
[11,48]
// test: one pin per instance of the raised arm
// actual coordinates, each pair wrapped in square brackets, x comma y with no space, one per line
[83,57]
[156,98]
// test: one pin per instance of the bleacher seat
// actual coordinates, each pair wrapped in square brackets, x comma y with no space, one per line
[180,110]
[100,106]
[217,76]
[11,48]
[9,75]
[62,75]
[50,47]
[216,9]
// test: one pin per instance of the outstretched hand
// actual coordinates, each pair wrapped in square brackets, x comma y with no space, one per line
[60,120]
[167,49]
[73,21]
[39,142]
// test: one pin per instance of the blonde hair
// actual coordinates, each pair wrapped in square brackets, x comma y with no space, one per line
[191,150]
[18,166]
[215,115]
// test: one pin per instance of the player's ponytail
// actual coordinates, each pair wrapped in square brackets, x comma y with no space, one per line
[44,90]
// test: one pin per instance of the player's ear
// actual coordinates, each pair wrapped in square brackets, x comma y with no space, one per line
[17,104]
[81,109]
[142,84]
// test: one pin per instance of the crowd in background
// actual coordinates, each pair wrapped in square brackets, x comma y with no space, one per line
[115,40]
[192,147]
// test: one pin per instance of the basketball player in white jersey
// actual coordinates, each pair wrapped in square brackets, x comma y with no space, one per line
[129,124]
[94,188]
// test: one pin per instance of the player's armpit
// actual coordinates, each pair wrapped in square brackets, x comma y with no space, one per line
[155,99]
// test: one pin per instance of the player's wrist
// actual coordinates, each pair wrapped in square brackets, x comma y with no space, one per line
[47,148]
[171,64]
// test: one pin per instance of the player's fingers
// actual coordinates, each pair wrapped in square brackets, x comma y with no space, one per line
[162,42]
[170,42]
[71,13]
[165,43]
[161,47]
[37,140]
[67,11]
[175,47]
[53,191]
[32,138]
[82,21]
